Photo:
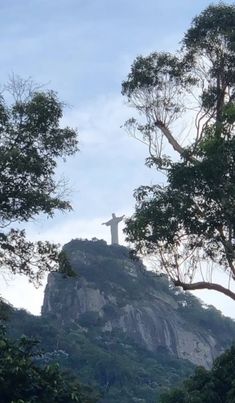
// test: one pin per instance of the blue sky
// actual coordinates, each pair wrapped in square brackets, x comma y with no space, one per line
[83,49]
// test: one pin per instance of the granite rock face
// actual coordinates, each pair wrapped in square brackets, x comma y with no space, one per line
[111,291]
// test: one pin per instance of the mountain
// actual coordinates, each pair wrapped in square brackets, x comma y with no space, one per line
[114,292]
[122,329]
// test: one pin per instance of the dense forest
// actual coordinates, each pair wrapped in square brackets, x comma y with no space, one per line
[110,362]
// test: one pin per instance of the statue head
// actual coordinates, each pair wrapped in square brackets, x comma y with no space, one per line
[113,215]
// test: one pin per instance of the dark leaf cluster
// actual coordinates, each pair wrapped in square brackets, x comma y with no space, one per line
[189,222]
[30,141]
[216,385]
[23,381]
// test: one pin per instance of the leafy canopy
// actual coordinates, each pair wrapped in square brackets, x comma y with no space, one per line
[216,385]
[31,140]
[189,223]
[22,380]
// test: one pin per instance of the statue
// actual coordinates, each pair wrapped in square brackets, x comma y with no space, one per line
[113,223]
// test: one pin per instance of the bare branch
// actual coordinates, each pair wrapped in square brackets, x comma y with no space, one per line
[177,147]
[204,285]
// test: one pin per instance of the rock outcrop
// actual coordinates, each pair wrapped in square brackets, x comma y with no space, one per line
[112,291]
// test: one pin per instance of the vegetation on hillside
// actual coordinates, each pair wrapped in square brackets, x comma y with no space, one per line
[189,223]
[214,386]
[111,364]
[109,266]
[24,378]
[114,365]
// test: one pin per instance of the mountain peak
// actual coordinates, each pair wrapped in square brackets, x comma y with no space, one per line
[111,292]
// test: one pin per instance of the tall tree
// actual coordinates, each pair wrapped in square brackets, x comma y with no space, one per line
[31,141]
[189,224]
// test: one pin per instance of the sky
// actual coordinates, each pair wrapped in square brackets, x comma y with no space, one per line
[83,50]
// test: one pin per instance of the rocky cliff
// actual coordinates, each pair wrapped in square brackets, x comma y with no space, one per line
[113,292]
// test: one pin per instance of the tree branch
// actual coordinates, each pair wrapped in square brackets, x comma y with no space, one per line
[229,251]
[173,142]
[204,285]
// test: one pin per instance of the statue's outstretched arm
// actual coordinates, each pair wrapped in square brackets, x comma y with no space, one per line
[106,223]
[121,218]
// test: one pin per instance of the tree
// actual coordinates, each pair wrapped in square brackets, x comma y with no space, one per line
[216,385]
[31,141]
[189,223]
[23,381]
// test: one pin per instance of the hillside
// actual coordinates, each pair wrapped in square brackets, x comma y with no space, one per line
[124,330]
[114,292]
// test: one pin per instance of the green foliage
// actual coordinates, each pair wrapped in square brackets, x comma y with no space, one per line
[23,381]
[198,202]
[110,266]
[212,33]
[108,361]
[113,271]
[190,222]
[21,256]
[31,141]
[216,385]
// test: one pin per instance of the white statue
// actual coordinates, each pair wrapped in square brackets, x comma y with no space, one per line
[113,223]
